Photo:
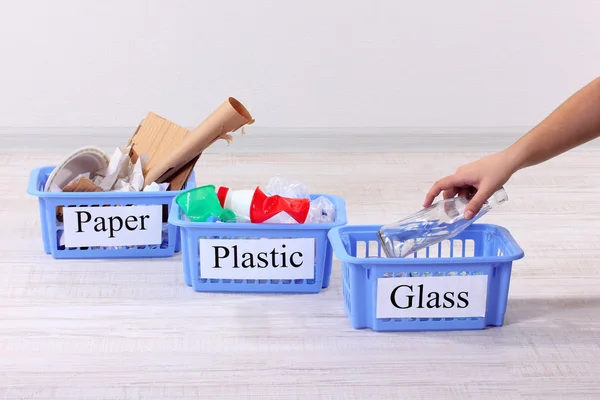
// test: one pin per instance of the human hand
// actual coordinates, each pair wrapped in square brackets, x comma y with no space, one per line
[479,179]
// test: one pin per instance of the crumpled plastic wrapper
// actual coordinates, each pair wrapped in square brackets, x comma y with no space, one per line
[322,210]
[287,187]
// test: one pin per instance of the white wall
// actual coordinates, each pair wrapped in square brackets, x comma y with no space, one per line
[303,63]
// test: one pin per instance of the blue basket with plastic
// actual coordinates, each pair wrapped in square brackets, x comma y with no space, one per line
[80,225]
[257,257]
[458,284]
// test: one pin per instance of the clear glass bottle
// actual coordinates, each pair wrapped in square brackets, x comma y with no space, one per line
[436,223]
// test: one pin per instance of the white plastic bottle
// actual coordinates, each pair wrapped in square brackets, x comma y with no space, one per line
[238,201]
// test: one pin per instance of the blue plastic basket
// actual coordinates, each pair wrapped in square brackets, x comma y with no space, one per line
[480,250]
[193,232]
[52,227]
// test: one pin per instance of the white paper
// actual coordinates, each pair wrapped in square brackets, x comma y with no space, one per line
[432,297]
[117,168]
[121,175]
[136,176]
[257,258]
[54,188]
[112,226]
[156,187]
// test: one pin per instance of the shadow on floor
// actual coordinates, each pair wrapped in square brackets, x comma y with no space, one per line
[556,322]
[564,309]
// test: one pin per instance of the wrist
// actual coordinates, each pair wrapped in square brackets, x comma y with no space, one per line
[516,158]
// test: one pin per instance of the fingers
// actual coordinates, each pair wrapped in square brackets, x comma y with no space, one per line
[478,200]
[434,192]
[448,194]
[449,184]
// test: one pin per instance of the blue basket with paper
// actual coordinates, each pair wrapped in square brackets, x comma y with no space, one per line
[80,225]
[457,284]
[248,241]
[95,207]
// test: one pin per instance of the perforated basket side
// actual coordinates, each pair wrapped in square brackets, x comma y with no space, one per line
[52,204]
[481,250]
[193,232]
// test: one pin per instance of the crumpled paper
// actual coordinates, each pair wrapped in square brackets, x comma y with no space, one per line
[121,175]
[156,187]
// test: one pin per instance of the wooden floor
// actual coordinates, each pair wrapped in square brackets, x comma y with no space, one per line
[133,330]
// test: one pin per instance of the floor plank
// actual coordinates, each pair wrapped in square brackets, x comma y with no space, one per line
[133,330]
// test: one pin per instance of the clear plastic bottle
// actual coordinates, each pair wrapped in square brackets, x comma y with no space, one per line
[436,223]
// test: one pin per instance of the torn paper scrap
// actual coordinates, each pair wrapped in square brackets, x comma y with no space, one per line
[117,168]
[157,187]
[82,184]
[121,175]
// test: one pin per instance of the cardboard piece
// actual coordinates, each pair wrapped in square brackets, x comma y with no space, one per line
[155,138]
[182,154]
[82,184]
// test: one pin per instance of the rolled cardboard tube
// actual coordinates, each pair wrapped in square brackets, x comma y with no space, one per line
[229,117]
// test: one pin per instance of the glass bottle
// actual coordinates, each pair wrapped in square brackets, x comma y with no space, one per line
[434,224]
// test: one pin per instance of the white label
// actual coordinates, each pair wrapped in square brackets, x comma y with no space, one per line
[257,258]
[112,226]
[432,297]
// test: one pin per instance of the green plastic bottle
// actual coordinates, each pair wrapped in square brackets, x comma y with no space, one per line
[201,203]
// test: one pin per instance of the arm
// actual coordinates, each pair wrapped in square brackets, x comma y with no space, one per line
[572,124]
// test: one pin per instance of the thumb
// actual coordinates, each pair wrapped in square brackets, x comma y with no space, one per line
[478,200]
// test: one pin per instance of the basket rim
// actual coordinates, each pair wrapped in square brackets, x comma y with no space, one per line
[335,237]
[35,177]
